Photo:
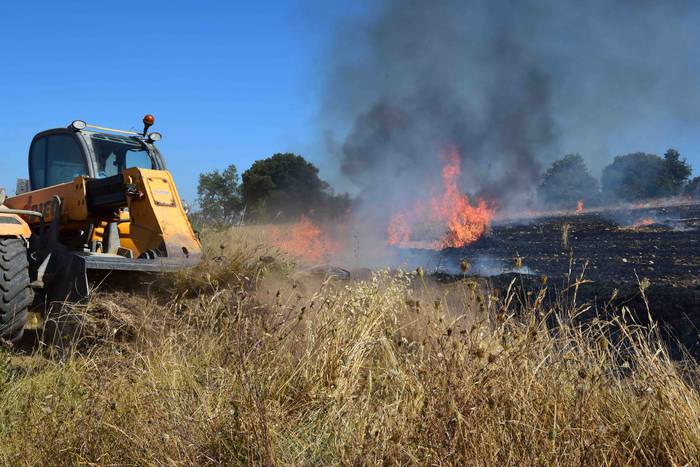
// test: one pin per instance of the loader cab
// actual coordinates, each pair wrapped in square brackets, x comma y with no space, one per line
[58,156]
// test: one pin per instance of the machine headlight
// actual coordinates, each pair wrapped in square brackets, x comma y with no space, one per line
[78,125]
[154,137]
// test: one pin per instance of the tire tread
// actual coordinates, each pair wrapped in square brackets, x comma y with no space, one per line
[16,294]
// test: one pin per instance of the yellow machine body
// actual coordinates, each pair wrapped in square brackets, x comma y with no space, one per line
[11,225]
[72,195]
[104,201]
[152,219]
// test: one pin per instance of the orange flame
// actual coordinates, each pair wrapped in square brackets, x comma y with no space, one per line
[579,206]
[305,240]
[642,223]
[463,222]
[399,229]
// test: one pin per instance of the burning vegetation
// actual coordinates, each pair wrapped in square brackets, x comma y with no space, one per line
[449,213]
[646,221]
[305,239]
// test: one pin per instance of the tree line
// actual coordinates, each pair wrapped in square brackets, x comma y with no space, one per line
[630,177]
[279,188]
[284,186]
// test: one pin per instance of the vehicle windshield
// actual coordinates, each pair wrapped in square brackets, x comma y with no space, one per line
[116,153]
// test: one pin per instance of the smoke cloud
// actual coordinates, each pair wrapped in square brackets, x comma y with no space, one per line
[511,85]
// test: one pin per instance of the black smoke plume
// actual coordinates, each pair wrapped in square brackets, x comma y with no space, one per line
[511,85]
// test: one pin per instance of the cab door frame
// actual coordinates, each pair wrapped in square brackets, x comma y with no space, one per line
[77,137]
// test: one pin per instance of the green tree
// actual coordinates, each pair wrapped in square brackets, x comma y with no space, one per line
[678,172]
[636,176]
[286,185]
[567,181]
[219,195]
[693,188]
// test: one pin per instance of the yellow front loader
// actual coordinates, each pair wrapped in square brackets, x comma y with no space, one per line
[98,199]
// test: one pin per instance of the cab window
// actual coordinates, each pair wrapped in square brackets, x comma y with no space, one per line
[139,159]
[37,160]
[114,154]
[55,159]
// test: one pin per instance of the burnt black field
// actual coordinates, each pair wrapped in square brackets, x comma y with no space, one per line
[615,249]
[660,244]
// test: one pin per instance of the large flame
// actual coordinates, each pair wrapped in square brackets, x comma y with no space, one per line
[460,222]
[304,239]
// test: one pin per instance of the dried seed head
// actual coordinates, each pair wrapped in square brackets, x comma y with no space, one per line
[644,284]
[565,229]
[518,260]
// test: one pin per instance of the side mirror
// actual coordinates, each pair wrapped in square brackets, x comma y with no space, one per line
[22,186]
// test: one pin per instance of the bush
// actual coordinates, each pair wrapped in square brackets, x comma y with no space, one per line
[566,182]
[285,186]
[641,176]
[219,196]
[678,171]
[693,188]
[634,177]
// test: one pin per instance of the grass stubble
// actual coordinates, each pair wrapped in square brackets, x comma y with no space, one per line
[246,361]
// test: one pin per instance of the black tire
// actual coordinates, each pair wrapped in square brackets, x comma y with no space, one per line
[16,294]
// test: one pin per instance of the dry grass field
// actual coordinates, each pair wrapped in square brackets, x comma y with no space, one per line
[249,360]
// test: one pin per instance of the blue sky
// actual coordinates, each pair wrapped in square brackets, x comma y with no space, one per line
[228,82]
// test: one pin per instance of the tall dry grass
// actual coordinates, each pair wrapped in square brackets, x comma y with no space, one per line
[242,361]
